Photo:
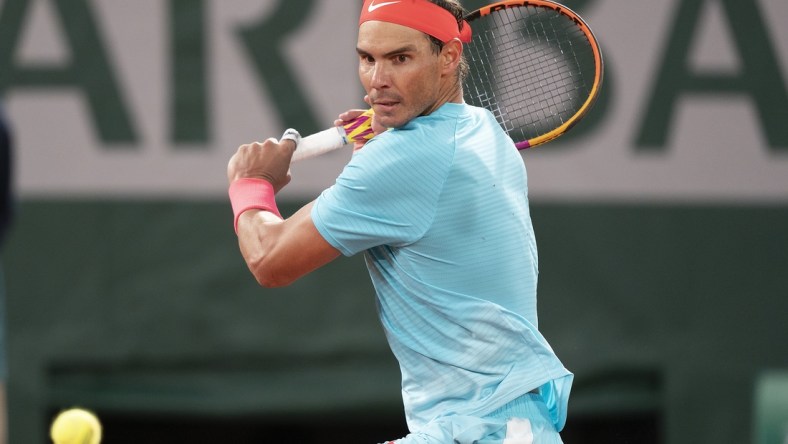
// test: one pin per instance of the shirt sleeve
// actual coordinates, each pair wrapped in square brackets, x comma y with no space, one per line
[386,195]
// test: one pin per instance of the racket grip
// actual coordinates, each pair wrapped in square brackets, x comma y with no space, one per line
[356,130]
[319,143]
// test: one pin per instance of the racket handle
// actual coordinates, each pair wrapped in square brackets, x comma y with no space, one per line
[357,130]
[319,143]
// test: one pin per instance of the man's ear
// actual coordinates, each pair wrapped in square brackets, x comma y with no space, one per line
[451,55]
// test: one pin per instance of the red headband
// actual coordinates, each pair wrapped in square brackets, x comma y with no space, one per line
[420,15]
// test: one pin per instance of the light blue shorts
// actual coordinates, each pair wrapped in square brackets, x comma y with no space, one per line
[523,421]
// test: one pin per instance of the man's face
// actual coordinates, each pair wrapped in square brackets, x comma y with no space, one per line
[399,71]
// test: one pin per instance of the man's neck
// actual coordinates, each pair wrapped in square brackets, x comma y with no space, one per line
[453,94]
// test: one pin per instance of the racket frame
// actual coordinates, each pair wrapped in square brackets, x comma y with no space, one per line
[598,61]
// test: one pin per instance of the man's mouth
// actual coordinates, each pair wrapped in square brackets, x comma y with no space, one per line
[384,105]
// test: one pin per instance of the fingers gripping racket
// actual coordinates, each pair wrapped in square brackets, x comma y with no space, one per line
[357,130]
[535,64]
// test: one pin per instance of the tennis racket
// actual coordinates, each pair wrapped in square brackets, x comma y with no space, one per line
[535,64]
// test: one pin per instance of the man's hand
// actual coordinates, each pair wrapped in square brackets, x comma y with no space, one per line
[349,115]
[269,160]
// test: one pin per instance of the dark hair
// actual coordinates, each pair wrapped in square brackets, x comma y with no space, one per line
[457,10]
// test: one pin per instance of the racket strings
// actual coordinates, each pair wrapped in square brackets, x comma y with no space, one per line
[547,78]
[528,68]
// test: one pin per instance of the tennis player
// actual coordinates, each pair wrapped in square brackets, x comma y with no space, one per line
[438,206]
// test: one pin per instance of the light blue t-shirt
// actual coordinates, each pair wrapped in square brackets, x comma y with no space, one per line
[439,207]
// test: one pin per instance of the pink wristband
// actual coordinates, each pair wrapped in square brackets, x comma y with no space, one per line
[251,194]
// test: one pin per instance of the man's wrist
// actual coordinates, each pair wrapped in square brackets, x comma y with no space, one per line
[251,194]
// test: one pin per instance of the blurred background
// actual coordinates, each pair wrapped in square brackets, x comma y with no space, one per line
[662,224]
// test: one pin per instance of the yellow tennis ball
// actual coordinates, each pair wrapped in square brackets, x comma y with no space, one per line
[76,426]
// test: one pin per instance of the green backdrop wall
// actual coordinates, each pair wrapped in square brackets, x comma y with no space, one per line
[138,306]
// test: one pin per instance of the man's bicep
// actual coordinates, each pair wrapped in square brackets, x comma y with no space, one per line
[310,250]
[279,252]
